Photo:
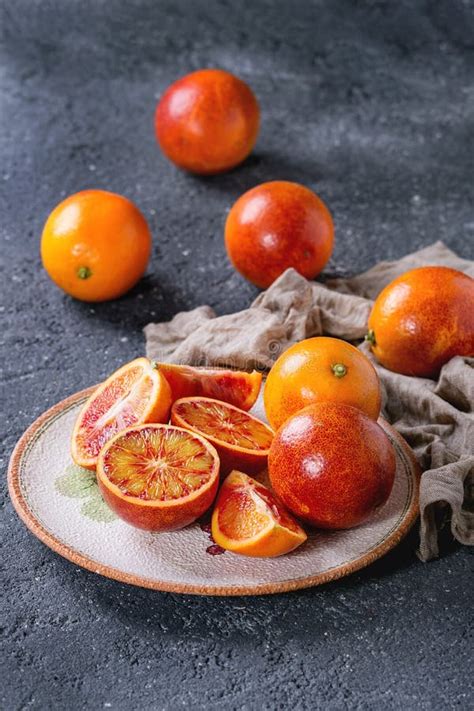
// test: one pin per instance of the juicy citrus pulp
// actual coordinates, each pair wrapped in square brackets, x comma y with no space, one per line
[237,387]
[250,520]
[158,477]
[134,394]
[224,423]
[241,440]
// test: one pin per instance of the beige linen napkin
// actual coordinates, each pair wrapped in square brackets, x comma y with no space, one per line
[435,417]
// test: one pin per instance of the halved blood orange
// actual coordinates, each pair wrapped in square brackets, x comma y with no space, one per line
[235,386]
[250,520]
[241,440]
[158,477]
[136,393]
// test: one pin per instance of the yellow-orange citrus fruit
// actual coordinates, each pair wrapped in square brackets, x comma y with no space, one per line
[95,245]
[320,369]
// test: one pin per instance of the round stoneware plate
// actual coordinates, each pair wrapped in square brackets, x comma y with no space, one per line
[61,504]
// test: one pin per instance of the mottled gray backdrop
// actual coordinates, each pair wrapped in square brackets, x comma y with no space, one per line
[369,103]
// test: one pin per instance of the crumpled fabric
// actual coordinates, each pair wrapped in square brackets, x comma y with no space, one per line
[434,416]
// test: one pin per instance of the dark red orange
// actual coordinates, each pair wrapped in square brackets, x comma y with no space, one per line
[422,319]
[331,465]
[275,226]
[208,121]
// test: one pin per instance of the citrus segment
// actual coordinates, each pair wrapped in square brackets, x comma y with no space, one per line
[237,387]
[134,394]
[250,520]
[241,440]
[158,477]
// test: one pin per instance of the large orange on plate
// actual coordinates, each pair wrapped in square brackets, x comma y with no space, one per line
[241,440]
[422,319]
[136,393]
[275,226]
[208,121]
[234,386]
[250,520]
[331,465]
[158,477]
[95,245]
[320,369]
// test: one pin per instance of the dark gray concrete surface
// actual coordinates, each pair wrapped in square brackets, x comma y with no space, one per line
[369,103]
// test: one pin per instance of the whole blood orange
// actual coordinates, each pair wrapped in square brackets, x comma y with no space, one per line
[158,477]
[250,520]
[241,440]
[422,319]
[320,370]
[275,226]
[95,245]
[234,386]
[134,394]
[331,465]
[208,121]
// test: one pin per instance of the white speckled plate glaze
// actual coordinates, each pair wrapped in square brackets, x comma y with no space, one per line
[61,504]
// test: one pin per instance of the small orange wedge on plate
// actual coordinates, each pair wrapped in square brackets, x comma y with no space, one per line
[234,386]
[136,393]
[249,519]
[242,441]
[158,477]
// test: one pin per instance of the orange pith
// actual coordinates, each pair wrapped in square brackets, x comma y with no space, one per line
[249,519]
[158,477]
[134,394]
[241,440]
[237,387]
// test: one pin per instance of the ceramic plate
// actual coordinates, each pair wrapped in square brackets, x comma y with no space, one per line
[61,504]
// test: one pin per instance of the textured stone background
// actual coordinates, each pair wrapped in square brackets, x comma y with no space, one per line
[371,104]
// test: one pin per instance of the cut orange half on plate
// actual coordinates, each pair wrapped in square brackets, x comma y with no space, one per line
[158,477]
[250,520]
[234,386]
[241,440]
[134,394]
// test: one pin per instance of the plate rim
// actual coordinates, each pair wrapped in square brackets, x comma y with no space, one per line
[63,549]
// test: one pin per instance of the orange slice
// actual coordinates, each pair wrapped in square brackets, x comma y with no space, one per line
[237,387]
[158,477]
[134,394]
[250,520]
[241,440]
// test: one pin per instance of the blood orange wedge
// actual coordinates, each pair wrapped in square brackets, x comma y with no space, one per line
[134,394]
[250,520]
[241,440]
[158,477]
[235,386]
